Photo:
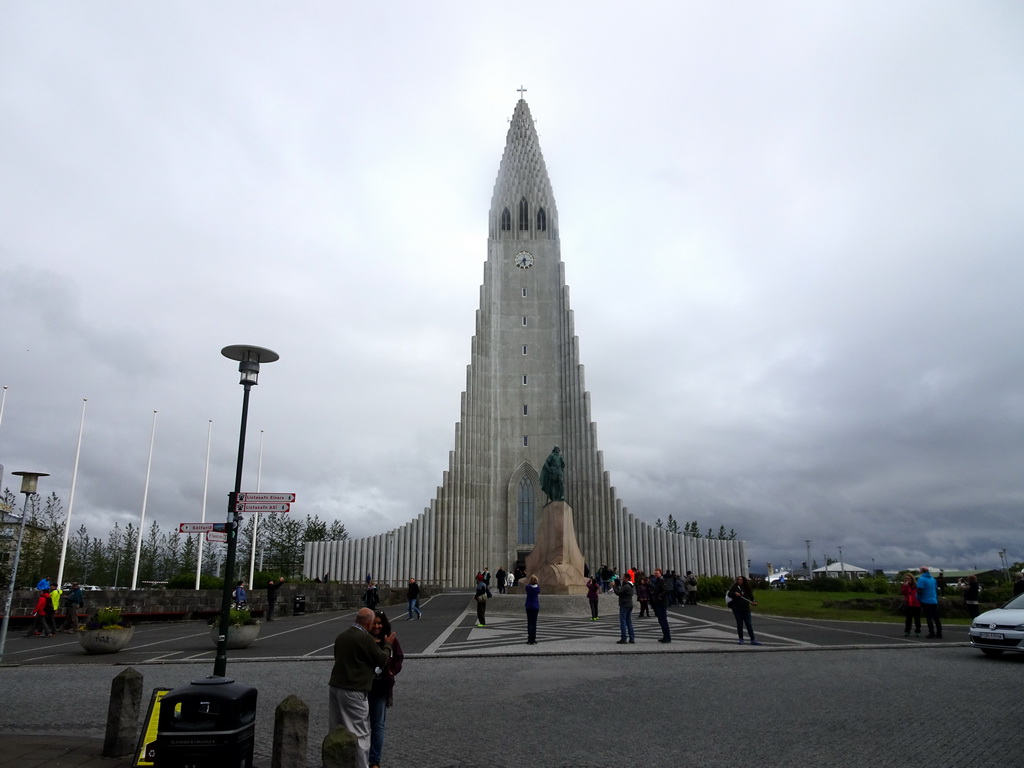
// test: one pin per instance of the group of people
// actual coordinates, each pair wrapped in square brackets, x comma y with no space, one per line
[47,605]
[921,595]
[682,589]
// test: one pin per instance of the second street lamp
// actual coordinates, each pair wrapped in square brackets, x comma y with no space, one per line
[249,358]
[29,485]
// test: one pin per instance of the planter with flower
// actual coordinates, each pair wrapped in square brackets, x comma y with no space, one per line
[242,630]
[106,631]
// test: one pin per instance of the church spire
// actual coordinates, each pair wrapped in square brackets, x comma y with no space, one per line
[523,205]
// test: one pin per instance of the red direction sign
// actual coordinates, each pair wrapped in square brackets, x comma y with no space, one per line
[249,507]
[195,527]
[266,498]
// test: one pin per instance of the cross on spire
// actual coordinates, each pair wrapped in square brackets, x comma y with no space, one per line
[521,91]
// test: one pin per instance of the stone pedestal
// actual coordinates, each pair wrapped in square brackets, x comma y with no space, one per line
[556,558]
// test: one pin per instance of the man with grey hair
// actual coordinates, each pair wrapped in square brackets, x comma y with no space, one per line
[356,656]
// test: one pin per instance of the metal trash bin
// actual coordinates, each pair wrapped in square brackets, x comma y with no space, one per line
[299,605]
[211,721]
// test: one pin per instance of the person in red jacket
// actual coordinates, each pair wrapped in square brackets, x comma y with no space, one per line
[44,616]
[911,605]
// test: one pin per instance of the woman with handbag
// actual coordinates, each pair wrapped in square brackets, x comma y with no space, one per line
[381,694]
[911,605]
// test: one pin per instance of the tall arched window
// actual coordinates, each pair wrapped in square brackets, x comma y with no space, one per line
[524,214]
[506,220]
[542,220]
[527,513]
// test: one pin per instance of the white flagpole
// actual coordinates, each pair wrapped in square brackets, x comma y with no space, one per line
[145,498]
[256,518]
[71,498]
[3,402]
[206,485]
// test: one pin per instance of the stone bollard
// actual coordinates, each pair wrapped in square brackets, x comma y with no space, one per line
[123,714]
[291,732]
[340,749]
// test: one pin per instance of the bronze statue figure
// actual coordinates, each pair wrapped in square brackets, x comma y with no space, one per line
[552,476]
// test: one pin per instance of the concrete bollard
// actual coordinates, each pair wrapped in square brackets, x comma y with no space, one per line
[340,749]
[123,714]
[291,733]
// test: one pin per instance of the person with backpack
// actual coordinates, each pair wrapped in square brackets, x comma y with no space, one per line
[691,588]
[72,606]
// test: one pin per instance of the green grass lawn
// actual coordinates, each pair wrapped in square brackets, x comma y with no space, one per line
[800,604]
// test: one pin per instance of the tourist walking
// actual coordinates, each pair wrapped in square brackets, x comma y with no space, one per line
[624,589]
[643,595]
[911,605]
[502,579]
[691,588]
[482,593]
[43,613]
[75,602]
[356,656]
[972,596]
[532,610]
[740,597]
[593,597]
[412,594]
[928,594]
[370,597]
[239,596]
[273,587]
[381,694]
[661,594]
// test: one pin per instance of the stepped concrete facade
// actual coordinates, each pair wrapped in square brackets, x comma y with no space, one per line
[524,395]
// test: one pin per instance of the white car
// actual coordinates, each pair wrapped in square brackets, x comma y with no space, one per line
[1001,629]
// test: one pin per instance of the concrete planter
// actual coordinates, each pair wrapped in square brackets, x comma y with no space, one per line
[238,637]
[105,640]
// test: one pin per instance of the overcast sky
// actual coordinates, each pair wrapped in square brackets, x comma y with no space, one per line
[792,231]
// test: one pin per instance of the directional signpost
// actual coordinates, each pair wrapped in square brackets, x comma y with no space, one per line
[263,508]
[217,537]
[286,498]
[201,527]
[264,502]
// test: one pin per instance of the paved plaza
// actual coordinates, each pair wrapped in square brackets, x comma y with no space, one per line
[816,693]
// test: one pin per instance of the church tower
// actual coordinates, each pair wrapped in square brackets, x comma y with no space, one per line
[524,384]
[524,395]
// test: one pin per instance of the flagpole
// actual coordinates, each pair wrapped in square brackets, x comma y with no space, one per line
[206,485]
[71,498]
[256,518]
[145,498]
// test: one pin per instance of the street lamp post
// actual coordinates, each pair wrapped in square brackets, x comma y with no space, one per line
[29,484]
[249,358]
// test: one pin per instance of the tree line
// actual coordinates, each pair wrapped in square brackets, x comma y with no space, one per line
[108,561]
[692,529]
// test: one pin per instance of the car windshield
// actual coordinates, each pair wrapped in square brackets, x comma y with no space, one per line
[1017,602]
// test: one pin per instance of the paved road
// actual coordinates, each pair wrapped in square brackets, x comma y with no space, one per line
[814,694]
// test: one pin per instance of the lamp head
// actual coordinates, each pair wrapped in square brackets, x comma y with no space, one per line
[30,481]
[249,358]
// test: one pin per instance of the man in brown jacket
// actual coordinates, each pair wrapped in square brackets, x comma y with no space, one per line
[356,655]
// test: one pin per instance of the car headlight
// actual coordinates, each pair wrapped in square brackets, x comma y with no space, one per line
[1019,628]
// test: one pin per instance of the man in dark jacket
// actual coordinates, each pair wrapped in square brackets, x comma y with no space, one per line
[272,589]
[413,596]
[356,656]
[660,594]
[624,590]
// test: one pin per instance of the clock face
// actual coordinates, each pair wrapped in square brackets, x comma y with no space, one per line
[524,260]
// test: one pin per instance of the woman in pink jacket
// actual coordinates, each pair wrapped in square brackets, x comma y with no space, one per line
[911,605]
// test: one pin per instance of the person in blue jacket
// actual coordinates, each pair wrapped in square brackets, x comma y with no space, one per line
[928,594]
